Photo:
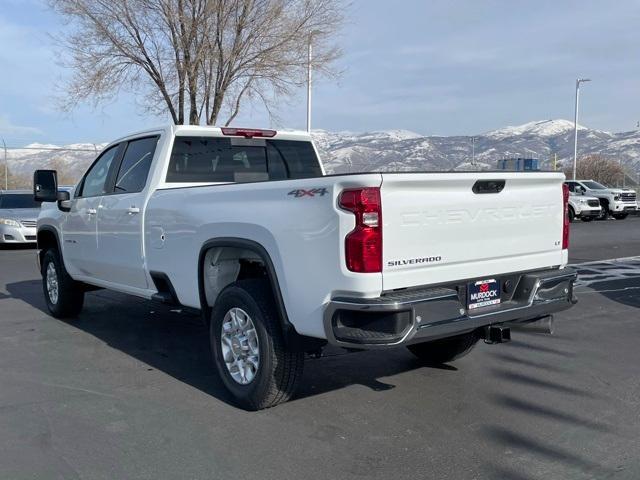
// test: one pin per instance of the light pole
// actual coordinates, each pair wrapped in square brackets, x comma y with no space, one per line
[575,125]
[309,53]
[473,150]
[6,166]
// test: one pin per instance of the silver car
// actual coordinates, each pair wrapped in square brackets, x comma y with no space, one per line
[18,215]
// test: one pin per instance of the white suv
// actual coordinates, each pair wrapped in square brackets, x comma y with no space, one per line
[583,207]
[617,202]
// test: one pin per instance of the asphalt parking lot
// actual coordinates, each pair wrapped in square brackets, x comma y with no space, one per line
[126,391]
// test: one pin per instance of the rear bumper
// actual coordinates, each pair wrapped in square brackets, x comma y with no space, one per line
[10,234]
[428,314]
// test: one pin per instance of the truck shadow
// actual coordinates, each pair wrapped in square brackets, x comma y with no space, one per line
[177,344]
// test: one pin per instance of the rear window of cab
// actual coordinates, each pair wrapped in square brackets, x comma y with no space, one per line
[240,160]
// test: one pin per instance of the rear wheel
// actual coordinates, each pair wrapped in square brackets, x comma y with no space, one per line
[64,296]
[248,347]
[445,350]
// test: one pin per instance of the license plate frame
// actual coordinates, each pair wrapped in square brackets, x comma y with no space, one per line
[483,293]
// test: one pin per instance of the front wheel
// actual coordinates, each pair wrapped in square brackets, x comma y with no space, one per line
[586,219]
[604,209]
[248,347]
[620,216]
[445,350]
[572,215]
[64,296]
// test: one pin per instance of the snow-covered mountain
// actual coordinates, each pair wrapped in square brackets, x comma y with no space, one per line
[72,159]
[402,150]
[350,152]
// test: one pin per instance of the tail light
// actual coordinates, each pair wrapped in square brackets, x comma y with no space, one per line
[363,245]
[565,224]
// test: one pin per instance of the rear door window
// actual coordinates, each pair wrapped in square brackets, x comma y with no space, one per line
[212,159]
[135,165]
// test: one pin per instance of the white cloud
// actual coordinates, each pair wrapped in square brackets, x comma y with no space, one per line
[9,129]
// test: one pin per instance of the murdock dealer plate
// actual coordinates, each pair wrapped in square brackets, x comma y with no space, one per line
[483,293]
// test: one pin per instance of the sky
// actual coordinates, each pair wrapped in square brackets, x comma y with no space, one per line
[435,67]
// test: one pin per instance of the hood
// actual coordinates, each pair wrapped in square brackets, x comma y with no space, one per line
[577,196]
[20,213]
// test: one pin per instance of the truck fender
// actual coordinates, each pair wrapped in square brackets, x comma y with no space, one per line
[261,252]
[46,231]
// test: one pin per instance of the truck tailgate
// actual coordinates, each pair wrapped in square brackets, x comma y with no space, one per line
[439,228]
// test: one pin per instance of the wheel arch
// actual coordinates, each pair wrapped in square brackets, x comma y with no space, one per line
[46,238]
[258,250]
[292,338]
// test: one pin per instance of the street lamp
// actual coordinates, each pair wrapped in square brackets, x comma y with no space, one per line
[309,55]
[312,33]
[6,167]
[575,125]
[473,150]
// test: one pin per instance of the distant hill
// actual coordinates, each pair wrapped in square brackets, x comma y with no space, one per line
[406,151]
[401,150]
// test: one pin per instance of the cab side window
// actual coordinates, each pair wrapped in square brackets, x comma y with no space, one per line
[135,165]
[95,180]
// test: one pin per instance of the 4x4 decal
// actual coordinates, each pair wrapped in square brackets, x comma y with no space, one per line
[321,192]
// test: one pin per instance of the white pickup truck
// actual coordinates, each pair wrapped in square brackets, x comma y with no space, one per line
[617,202]
[281,259]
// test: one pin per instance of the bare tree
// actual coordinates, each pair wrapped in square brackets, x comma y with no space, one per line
[598,168]
[196,59]
[65,176]
[16,181]
[2,176]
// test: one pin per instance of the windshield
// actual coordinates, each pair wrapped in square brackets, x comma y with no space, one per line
[18,200]
[594,186]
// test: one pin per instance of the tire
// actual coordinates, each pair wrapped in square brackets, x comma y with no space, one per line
[445,350]
[604,204]
[278,371]
[586,219]
[63,295]
[572,214]
[620,216]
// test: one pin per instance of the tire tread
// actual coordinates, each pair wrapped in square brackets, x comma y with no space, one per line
[70,292]
[287,365]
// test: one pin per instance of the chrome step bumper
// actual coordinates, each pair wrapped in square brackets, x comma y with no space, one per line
[414,316]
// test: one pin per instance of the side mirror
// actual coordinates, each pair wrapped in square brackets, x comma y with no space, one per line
[64,200]
[582,190]
[45,186]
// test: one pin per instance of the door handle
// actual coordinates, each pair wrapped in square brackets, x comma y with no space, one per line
[91,211]
[133,210]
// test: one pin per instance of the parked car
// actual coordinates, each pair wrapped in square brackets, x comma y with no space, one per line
[18,214]
[583,207]
[281,260]
[617,202]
